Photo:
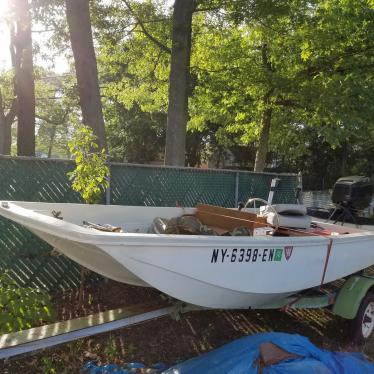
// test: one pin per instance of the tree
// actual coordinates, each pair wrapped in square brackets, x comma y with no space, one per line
[21,49]
[8,112]
[133,135]
[179,83]
[91,175]
[145,70]
[78,18]
[56,113]
[133,60]
[276,67]
[275,75]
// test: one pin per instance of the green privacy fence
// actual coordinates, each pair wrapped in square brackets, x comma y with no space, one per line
[32,262]
[168,186]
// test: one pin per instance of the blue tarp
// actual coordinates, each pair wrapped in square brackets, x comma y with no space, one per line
[239,357]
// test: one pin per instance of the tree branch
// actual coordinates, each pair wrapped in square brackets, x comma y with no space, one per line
[56,123]
[265,59]
[288,103]
[146,33]
[9,117]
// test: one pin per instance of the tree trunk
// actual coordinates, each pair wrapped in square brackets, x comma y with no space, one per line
[6,121]
[78,18]
[344,158]
[193,149]
[51,140]
[179,83]
[24,78]
[262,147]
[2,133]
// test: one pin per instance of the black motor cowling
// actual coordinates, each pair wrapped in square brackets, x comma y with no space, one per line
[355,192]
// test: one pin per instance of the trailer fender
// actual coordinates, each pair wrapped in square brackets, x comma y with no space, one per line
[350,296]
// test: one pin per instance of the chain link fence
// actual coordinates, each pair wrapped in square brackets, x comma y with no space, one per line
[31,262]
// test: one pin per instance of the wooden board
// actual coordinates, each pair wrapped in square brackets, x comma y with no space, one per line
[285,231]
[61,332]
[227,219]
[230,212]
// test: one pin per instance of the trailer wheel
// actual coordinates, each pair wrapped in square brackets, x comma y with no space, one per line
[362,326]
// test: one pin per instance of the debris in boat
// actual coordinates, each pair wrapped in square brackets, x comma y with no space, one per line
[57,214]
[100,227]
[190,225]
[185,225]
[240,231]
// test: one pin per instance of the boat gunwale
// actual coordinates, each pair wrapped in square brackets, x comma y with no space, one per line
[71,231]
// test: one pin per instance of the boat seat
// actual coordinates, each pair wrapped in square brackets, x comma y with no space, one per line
[288,215]
[290,209]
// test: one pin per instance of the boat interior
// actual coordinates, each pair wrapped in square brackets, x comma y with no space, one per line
[224,219]
[279,220]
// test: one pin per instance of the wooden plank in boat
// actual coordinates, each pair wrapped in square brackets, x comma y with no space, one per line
[230,212]
[227,223]
[285,231]
[30,340]
[227,218]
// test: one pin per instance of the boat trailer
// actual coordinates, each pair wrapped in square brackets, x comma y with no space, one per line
[352,300]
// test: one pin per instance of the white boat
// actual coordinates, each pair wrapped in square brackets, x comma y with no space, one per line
[211,271]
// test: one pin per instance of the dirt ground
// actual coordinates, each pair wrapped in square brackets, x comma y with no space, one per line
[168,340]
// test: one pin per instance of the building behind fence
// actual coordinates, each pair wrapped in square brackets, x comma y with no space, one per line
[32,262]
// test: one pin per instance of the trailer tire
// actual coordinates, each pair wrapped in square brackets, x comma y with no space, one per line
[362,326]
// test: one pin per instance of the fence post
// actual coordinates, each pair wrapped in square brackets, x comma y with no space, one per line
[236,189]
[107,191]
[299,189]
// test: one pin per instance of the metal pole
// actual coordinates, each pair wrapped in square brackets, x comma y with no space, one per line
[236,189]
[273,187]
[299,189]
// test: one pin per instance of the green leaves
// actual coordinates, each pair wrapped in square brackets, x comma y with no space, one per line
[22,307]
[91,175]
[138,69]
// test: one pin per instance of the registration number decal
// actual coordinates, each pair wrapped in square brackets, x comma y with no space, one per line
[221,255]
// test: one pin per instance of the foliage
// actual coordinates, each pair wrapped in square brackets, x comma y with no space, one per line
[140,66]
[134,75]
[111,350]
[317,70]
[133,135]
[313,59]
[22,307]
[48,366]
[6,86]
[90,177]
[56,112]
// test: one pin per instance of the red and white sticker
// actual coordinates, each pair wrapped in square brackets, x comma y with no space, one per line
[288,252]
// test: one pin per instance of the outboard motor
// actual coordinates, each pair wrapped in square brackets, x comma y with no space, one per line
[351,194]
[355,192]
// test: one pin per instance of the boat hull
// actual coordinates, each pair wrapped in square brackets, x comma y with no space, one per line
[93,258]
[209,271]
